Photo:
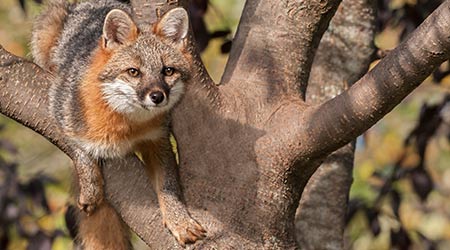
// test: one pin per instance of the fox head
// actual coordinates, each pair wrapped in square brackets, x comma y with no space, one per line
[147,67]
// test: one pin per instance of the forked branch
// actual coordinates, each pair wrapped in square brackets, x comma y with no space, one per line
[342,119]
[343,56]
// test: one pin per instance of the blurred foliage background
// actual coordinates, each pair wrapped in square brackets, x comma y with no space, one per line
[400,196]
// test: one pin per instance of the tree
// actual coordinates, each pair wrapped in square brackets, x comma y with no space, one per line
[250,147]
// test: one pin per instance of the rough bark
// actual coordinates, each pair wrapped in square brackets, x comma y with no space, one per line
[24,87]
[248,148]
[343,56]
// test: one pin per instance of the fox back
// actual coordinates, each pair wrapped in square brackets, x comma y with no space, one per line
[117,82]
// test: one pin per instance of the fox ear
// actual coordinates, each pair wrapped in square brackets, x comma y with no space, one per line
[173,25]
[118,29]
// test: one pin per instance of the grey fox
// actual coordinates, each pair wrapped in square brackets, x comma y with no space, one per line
[117,84]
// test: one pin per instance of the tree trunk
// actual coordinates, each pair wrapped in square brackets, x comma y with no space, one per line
[249,146]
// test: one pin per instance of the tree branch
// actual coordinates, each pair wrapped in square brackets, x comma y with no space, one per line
[340,120]
[343,56]
[324,202]
[275,45]
[345,51]
[23,85]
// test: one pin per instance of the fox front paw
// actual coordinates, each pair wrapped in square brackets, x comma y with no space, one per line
[89,201]
[186,230]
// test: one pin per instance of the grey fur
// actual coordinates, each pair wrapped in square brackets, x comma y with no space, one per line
[81,33]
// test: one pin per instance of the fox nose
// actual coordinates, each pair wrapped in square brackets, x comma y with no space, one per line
[157,97]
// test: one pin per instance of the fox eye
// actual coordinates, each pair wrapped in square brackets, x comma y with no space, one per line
[168,71]
[133,72]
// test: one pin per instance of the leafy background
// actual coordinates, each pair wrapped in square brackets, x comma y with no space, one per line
[400,195]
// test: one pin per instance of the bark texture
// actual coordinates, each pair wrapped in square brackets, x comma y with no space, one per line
[343,56]
[249,146]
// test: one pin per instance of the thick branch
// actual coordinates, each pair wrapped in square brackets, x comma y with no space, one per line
[24,87]
[275,44]
[343,56]
[340,120]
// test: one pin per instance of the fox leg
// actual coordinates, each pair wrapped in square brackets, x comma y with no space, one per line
[162,169]
[99,225]
[90,182]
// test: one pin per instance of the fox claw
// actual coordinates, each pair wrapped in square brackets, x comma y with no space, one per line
[89,202]
[87,208]
[186,231]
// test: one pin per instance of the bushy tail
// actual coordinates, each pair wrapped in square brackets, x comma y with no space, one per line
[103,230]
[47,29]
